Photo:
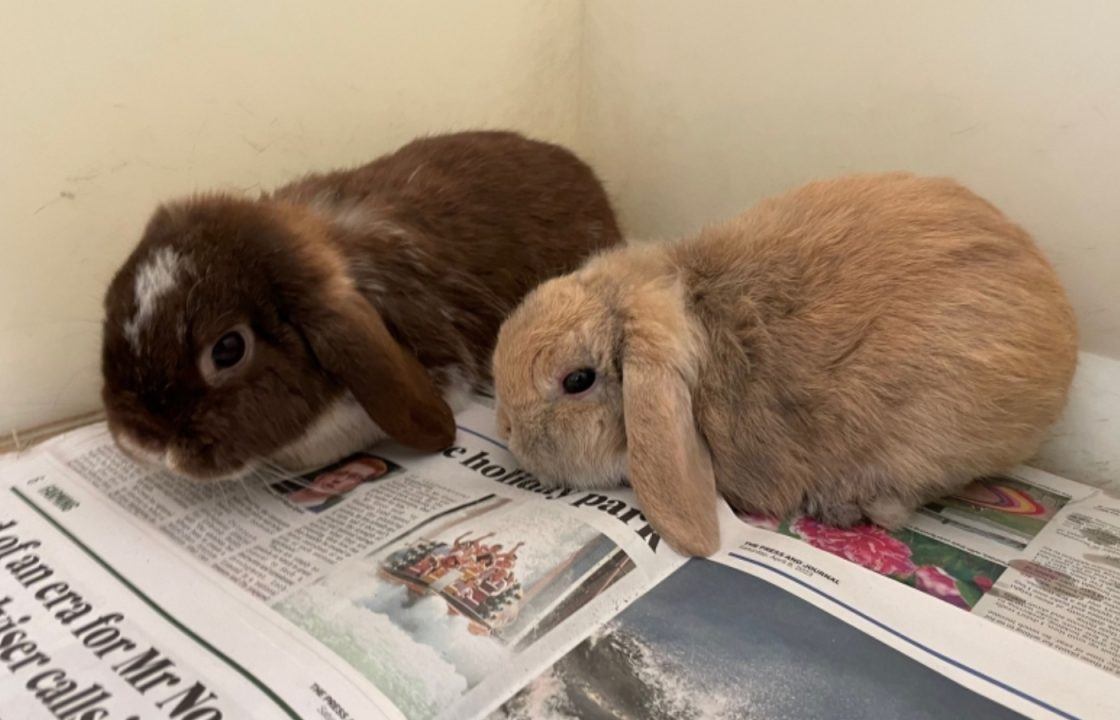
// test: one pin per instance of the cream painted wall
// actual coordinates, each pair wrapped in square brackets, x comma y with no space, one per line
[693,111]
[109,107]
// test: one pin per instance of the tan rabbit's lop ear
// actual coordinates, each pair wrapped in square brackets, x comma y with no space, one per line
[350,340]
[669,464]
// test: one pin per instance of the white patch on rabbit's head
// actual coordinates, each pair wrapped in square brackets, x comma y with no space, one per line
[156,277]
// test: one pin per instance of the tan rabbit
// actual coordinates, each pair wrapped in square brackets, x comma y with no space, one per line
[853,348]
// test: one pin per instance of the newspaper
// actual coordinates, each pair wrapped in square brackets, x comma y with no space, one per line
[454,585]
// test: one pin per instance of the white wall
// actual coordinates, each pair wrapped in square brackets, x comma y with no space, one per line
[109,107]
[1085,444]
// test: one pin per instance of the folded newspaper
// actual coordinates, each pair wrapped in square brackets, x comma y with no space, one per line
[455,585]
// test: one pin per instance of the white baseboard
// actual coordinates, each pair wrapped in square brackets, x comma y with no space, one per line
[1085,444]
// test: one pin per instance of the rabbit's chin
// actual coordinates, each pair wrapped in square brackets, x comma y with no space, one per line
[579,475]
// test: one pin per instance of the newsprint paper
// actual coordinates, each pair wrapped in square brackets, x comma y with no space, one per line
[455,586]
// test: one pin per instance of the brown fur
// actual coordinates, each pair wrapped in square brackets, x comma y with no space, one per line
[389,280]
[853,348]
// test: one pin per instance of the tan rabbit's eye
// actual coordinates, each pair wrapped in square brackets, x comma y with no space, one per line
[578,381]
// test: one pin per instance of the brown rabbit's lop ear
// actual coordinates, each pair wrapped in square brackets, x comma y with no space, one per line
[669,464]
[350,340]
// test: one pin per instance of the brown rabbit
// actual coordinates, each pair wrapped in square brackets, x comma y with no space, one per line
[852,349]
[293,329]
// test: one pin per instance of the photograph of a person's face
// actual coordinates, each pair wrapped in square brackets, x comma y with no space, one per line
[326,488]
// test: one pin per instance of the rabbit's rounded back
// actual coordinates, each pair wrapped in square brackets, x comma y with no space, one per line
[865,344]
[469,222]
[874,342]
[358,304]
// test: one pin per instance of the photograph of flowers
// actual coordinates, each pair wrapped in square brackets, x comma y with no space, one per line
[936,568]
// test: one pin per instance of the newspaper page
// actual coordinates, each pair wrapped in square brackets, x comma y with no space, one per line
[389,585]
[986,605]
[809,623]
[1028,550]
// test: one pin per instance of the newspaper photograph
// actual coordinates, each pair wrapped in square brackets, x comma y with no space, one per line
[742,648]
[430,616]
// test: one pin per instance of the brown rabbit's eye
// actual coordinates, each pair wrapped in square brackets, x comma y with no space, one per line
[228,351]
[578,381]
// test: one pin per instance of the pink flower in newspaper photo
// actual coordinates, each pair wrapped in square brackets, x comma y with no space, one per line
[866,545]
[983,582]
[935,581]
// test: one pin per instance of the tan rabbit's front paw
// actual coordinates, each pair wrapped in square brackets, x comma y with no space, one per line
[836,514]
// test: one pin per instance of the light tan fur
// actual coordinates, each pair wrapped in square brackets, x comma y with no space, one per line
[853,348]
